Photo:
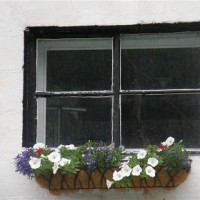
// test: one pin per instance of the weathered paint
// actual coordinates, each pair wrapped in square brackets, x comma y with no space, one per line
[15,16]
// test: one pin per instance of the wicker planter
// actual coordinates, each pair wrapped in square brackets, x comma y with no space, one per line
[88,181]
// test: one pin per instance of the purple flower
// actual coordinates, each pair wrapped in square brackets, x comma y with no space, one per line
[22,163]
[187,163]
[175,153]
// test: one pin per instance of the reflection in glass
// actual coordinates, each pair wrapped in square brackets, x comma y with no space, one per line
[172,68]
[151,119]
[79,70]
[77,120]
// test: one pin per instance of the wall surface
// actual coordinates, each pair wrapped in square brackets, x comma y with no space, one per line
[14,17]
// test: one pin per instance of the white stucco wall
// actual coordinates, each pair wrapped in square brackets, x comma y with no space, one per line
[14,17]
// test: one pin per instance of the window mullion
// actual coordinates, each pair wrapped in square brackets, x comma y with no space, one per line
[116,89]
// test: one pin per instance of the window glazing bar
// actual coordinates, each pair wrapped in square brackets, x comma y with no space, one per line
[73,93]
[159,92]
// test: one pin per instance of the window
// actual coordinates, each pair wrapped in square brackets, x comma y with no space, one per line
[83,69]
[120,84]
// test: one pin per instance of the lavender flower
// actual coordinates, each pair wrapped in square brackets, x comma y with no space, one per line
[99,156]
[186,163]
[22,163]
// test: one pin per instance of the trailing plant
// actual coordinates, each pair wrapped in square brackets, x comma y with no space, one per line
[67,159]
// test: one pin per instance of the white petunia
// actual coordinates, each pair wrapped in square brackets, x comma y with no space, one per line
[57,150]
[150,171]
[141,154]
[64,161]
[127,158]
[38,146]
[117,176]
[123,164]
[70,147]
[126,170]
[61,146]
[136,170]
[164,144]
[153,162]
[43,156]
[54,157]
[169,141]
[35,163]
[109,183]
[55,167]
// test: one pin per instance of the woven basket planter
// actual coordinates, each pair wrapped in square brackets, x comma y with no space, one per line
[88,181]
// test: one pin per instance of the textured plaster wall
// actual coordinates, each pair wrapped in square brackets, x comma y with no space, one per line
[14,17]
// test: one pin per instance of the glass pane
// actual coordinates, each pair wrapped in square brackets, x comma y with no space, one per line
[79,70]
[166,68]
[151,119]
[77,120]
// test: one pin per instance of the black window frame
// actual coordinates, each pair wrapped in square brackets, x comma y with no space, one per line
[31,34]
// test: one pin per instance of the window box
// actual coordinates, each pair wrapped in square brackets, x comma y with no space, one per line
[97,166]
[88,181]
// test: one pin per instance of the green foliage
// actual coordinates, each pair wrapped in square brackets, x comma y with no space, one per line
[45,168]
[125,182]
[175,157]
[73,155]
[69,168]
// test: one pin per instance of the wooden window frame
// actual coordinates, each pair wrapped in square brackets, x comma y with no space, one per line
[32,34]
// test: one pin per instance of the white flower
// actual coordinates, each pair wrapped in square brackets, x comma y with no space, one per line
[136,170]
[43,156]
[123,164]
[141,154]
[54,157]
[57,150]
[35,162]
[126,170]
[153,162]
[60,146]
[117,176]
[109,183]
[90,148]
[55,167]
[169,141]
[39,145]
[150,171]
[64,161]
[164,144]
[127,158]
[70,147]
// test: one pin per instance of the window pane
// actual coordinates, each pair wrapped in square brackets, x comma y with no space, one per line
[77,120]
[153,118]
[165,68]
[79,70]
